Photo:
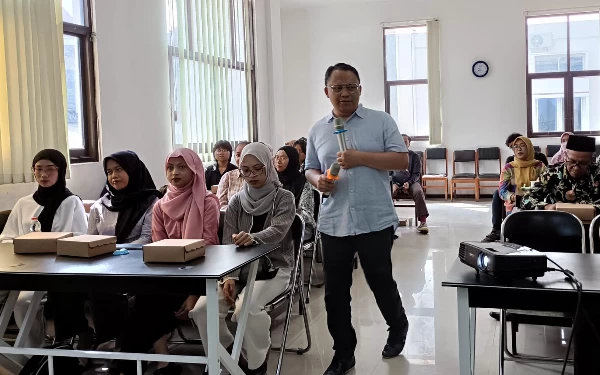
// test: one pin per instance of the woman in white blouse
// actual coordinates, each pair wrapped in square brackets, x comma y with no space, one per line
[56,209]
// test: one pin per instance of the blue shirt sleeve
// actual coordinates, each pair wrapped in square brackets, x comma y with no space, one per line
[312,159]
[392,138]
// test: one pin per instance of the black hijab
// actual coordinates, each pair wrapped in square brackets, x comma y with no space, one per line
[132,202]
[51,197]
[291,178]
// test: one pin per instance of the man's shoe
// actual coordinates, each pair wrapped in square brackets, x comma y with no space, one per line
[396,341]
[340,367]
[422,228]
[493,236]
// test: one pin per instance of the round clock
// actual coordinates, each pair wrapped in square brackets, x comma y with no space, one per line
[480,69]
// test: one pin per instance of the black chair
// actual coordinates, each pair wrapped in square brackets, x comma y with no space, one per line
[3,219]
[313,245]
[547,231]
[294,290]
[464,157]
[595,235]
[439,153]
[537,149]
[488,154]
[551,150]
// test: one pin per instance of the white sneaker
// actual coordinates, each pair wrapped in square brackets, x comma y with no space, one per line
[422,228]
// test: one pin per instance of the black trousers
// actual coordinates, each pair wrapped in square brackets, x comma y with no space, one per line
[586,342]
[497,203]
[374,251]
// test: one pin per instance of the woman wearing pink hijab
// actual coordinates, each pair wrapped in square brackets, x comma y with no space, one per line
[561,156]
[187,211]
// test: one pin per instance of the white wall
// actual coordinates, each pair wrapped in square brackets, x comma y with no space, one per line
[134,94]
[476,112]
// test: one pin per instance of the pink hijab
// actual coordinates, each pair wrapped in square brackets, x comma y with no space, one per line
[186,206]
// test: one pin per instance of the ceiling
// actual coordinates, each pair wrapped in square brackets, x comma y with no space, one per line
[323,3]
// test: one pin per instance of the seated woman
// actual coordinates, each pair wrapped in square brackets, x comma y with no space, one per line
[519,173]
[287,163]
[261,213]
[561,156]
[56,209]
[187,211]
[125,211]
[222,152]
[231,182]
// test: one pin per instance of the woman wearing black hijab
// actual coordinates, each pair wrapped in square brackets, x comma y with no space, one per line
[56,209]
[287,164]
[125,211]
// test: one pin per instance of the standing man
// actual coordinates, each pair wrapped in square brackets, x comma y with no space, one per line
[409,182]
[359,215]
[300,146]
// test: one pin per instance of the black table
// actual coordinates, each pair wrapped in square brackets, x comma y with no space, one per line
[550,293]
[127,273]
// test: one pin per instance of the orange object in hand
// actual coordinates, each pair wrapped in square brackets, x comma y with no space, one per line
[331,176]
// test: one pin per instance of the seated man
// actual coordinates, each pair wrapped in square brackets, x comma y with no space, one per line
[497,202]
[300,146]
[409,182]
[575,181]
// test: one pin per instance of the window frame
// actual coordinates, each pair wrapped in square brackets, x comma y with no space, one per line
[412,82]
[233,64]
[567,77]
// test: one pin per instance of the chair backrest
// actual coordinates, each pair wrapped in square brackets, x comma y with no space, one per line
[537,149]
[464,156]
[551,150]
[548,231]
[595,235]
[221,225]
[435,153]
[3,219]
[488,153]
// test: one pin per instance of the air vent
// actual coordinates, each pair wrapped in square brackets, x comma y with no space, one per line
[462,251]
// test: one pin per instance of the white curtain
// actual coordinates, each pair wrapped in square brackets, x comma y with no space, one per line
[434,83]
[32,85]
[211,70]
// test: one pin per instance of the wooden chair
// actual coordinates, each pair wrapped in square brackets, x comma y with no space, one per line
[490,154]
[551,150]
[438,153]
[464,156]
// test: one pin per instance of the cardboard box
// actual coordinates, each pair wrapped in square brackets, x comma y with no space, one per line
[38,242]
[173,251]
[87,246]
[585,212]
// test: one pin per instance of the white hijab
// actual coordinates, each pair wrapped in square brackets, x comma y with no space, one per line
[259,201]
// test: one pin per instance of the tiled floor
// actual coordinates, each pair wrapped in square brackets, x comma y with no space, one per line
[420,264]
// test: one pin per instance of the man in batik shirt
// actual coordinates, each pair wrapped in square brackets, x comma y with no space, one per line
[575,181]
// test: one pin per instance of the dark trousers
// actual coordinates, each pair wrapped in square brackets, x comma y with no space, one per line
[586,343]
[497,204]
[374,250]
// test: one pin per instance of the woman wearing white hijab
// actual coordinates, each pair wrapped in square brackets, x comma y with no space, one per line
[262,213]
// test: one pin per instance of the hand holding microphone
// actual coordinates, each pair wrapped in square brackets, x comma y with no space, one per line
[326,182]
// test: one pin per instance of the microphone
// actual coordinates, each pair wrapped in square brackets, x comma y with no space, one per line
[332,174]
[338,125]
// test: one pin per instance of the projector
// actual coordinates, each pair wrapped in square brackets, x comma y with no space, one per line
[503,259]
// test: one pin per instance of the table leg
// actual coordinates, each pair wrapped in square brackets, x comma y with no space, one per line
[502,340]
[30,316]
[212,325]
[464,332]
[243,317]
[7,311]
[472,334]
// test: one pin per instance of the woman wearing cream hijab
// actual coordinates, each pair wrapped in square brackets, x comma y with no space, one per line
[519,173]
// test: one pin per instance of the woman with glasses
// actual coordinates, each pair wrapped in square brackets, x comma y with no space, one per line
[519,173]
[287,164]
[261,213]
[222,152]
[56,209]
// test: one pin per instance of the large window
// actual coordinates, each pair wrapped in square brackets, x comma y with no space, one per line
[406,83]
[79,73]
[211,70]
[563,74]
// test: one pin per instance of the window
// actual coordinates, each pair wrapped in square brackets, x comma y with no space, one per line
[406,81]
[79,73]
[211,71]
[563,74]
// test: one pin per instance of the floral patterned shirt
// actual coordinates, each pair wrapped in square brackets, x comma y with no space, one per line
[556,182]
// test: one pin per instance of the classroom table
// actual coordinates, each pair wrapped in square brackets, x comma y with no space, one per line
[125,274]
[549,293]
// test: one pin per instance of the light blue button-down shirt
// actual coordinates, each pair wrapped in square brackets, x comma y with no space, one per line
[361,201]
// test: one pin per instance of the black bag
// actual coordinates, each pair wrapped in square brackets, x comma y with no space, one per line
[38,364]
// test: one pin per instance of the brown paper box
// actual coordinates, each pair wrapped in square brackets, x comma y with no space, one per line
[173,251]
[39,242]
[585,212]
[87,246]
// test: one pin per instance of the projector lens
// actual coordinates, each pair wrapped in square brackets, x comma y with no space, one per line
[483,262]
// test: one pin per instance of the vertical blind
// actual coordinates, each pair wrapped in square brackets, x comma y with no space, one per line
[32,85]
[211,71]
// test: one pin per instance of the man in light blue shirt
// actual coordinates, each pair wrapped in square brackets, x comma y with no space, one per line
[359,215]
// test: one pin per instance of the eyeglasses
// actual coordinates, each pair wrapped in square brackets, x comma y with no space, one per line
[352,88]
[221,150]
[572,163]
[247,172]
[519,147]
[45,170]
